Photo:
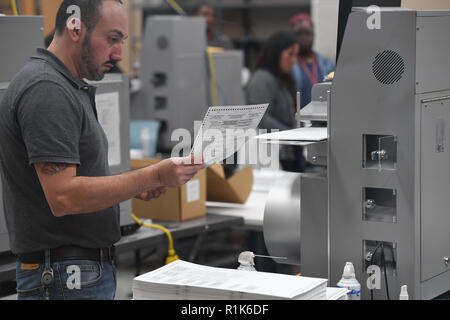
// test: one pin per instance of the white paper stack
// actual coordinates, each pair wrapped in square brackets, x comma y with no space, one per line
[337,293]
[182,280]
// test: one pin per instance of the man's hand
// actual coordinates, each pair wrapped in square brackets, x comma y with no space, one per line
[151,194]
[176,172]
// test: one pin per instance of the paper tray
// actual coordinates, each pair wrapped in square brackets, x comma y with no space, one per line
[299,136]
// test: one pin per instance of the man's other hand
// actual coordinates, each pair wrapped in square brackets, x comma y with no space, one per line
[151,194]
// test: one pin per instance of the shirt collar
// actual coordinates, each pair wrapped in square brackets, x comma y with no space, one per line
[59,66]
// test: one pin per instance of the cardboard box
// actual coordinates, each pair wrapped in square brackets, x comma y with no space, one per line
[177,204]
[235,189]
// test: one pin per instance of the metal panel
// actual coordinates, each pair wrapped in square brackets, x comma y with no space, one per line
[296,222]
[174,49]
[433,13]
[361,104]
[282,219]
[118,83]
[317,109]
[432,66]
[435,177]
[110,84]
[314,226]
[4,240]
[20,38]
[228,66]
[175,80]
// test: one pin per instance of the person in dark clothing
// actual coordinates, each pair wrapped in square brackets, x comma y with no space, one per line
[272,83]
[61,203]
[311,67]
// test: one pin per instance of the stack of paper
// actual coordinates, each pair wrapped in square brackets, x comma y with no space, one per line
[337,294]
[188,281]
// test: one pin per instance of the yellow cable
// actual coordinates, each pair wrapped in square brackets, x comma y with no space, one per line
[171,255]
[176,7]
[213,77]
[14,8]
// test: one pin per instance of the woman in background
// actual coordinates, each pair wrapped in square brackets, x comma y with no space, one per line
[272,83]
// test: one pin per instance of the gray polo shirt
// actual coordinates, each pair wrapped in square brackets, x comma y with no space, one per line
[48,115]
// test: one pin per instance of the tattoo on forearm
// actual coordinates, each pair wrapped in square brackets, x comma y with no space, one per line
[54,168]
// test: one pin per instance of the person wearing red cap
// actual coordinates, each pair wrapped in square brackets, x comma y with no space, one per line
[311,67]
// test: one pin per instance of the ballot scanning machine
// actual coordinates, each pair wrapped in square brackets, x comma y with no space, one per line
[179,79]
[384,200]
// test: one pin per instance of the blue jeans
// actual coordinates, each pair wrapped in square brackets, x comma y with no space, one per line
[72,280]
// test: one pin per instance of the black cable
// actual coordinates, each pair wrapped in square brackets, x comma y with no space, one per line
[371,262]
[371,293]
[384,268]
[394,262]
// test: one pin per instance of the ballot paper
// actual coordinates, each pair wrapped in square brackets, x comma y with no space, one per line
[225,130]
[189,281]
[108,110]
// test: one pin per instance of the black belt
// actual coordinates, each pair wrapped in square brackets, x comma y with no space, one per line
[68,253]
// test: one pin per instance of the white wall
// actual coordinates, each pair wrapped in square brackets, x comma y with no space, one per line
[325,16]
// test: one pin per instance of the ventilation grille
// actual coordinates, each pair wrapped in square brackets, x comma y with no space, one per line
[388,67]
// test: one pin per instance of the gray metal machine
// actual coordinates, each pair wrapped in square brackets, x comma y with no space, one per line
[175,76]
[295,222]
[389,132]
[20,38]
[388,157]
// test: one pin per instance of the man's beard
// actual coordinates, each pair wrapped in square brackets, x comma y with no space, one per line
[93,72]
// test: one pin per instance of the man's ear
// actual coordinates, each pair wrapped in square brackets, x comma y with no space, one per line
[74,29]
